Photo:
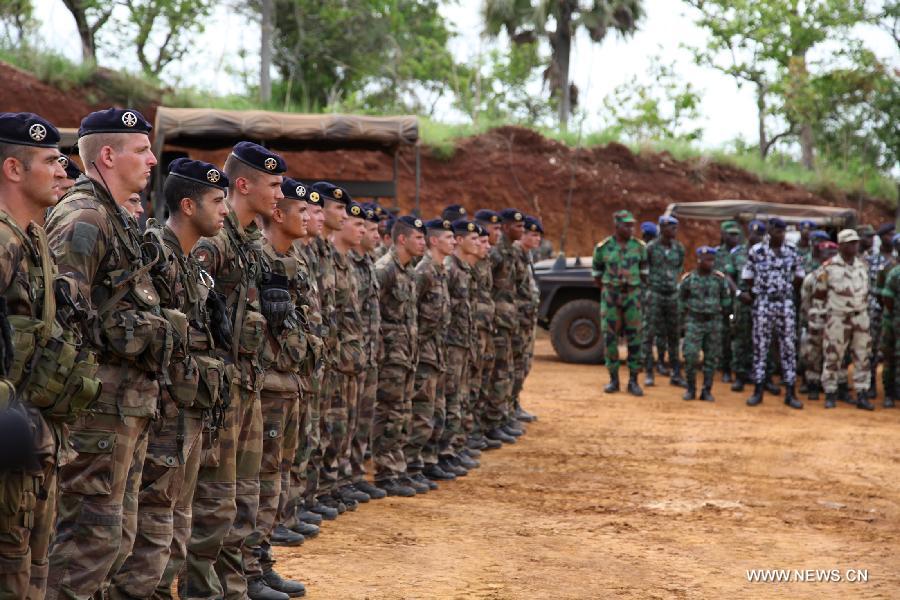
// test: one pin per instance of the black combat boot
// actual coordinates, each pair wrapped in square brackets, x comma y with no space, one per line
[757,396]
[393,487]
[307,530]
[661,368]
[500,435]
[419,487]
[843,393]
[691,384]
[706,392]
[633,388]
[525,416]
[772,388]
[436,473]
[420,478]
[804,387]
[726,376]
[676,378]
[863,402]
[739,381]
[649,379]
[294,589]
[613,386]
[813,388]
[282,536]
[830,399]
[790,397]
[258,590]
[373,492]
[889,396]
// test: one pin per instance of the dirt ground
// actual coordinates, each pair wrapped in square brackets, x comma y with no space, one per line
[610,496]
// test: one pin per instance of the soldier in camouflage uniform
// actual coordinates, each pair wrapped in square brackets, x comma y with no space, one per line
[665,259]
[30,174]
[877,262]
[620,269]
[433,308]
[530,299]
[731,237]
[97,244]
[227,496]
[843,284]
[194,193]
[398,354]
[742,327]
[812,314]
[703,294]
[890,291]
[385,225]
[650,232]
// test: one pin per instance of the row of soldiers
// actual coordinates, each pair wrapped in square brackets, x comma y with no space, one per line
[178,398]
[749,304]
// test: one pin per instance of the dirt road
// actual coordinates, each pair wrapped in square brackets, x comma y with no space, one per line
[610,496]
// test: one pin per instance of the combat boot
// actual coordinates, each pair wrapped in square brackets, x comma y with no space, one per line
[726,376]
[419,478]
[633,388]
[772,387]
[500,435]
[476,442]
[862,401]
[676,378]
[472,453]
[307,530]
[329,513]
[649,379]
[348,492]
[512,430]
[373,492]
[490,444]
[888,401]
[282,536]
[349,503]
[739,381]
[843,393]
[294,589]
[830,399]
[258,590]
[450,466]
[613,386]
[436,473]
[420,488]
[469,463]
[706,392]
[757,396]
[813,388]
[662,369]
[691,392]
[790,398]
[310,517]
[804,387]
[393,487]
[525,416]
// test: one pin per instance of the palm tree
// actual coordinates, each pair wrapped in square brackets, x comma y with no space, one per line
[527,20]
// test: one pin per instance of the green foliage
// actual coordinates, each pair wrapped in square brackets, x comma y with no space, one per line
[17,21]
[48,66]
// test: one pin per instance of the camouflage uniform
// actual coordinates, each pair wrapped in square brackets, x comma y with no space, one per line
[702,299]
[665,264]
[460,341]
[173,452]
[846,321]
[723,254]
[368,377]
[886,336]
[742,326]
[428,410]
[96,243]
[890,335]
[503,273]
[227,496]
[877,262]
[483,365]
[812,315]
[621,269]
[398,357]
[526,309]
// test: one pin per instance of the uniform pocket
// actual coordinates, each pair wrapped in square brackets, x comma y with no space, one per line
[90,472]
[159,479]
[272,442]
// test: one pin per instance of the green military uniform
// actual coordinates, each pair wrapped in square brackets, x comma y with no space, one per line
[503,273]
[526,308]
[723,257]
[703,298]
[742,327]
[887,337]
[665,264]
[483,365]
[460,341]
[891,334]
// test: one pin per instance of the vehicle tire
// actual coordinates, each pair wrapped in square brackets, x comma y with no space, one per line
[575,332]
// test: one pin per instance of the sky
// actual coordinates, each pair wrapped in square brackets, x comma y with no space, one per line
[597,69]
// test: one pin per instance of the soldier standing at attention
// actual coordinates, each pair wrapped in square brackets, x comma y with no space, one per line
[742,329]
[30,177]
[812,314]
[194,193]
[731,237]
[650,232]
[97,244]
[433,308]
[877,263]
[805,245]
[772,271]
[890,291]
[530,243]
[665,259]
[619,270]
[843,284]
[399,354]
[227,496]
[703,294]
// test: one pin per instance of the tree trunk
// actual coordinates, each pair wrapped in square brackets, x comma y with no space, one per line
[265,52]
[761,116]
[563,47]
[88,50]
[807,146]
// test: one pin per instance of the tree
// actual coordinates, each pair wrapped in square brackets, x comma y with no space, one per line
[525,21]
[90,16]
[265,50]
[17,21]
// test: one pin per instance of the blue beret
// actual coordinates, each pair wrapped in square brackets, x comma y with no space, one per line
[380,212]
[439,223]
[487,216]
[895,239]
[777,223]
[757,226]
[512,215]
[261,159]
[668,220]
[72,172]
[819,234]
[372,212]
[412,221]
[199,172]
[649,227]
[453,212]
[706,251]
[886,228]
[807,224]
[464,226]
[27,129]
[294,190]
[329,191]
[355,210]
[114,120]
[533,224]
[481,229]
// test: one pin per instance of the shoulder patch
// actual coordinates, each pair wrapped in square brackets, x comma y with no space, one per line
[603,242]
[641,242]
[719,274]
[84,238]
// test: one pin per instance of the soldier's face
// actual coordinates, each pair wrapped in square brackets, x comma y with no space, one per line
[335,215]
[353,230]
[494,231]
[265,192]
[624,230]
[484,246]
[316,219]
[295,220]
[371,238]
[531,240]
[469,243]
[514,231]
[134,206]
[777,234]
[445,242]
[849,250]
[64,187]
[669,231]
[208,214]
[865,241]
[886,240]
[705,263]
[42,178]
[414,243]
[732,238]
[134,161]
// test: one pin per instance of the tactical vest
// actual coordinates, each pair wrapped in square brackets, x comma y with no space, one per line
[287,349]
[51,369]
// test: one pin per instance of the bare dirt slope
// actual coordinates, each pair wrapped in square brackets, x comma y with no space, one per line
[618,497]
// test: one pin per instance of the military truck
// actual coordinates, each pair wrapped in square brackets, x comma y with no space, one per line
[570,302]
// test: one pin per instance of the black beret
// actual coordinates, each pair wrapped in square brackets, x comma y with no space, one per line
[261,159]
[198,171]
[355,210]
[372,212]
[886,228]
[329,191]
[533,224]
[464,226]
[114,120]
[293,189]
[776,223]
[382,214]
[439,223]
[72,172]
[27,129]
[412,221]
[481,229]
[511,215]
[487,216]
[453,212]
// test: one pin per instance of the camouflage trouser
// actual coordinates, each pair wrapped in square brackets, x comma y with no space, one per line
[620,314]
[308,438]
[432,448]
[214,505]
[648,327]
[294,419]
[27,516]
[773,319]
[702,333]
[162,480]
[423,417]
[727,358]
[888,355]
[365,410]
[336,428]
[522,341]
[482,387]
[316,464]
[278,408]
[99,483]
[876,316]
[666,326]
[811,352]
[345,468]
[742,341]
[843,331]
[456,389]
[391,423]
[499,388]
